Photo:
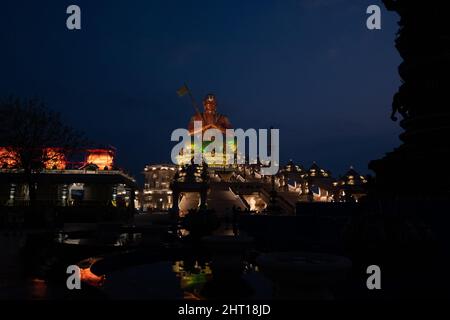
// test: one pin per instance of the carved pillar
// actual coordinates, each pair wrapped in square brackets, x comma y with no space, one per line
[418,168]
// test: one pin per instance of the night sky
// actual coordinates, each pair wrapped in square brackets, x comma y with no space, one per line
[308,67]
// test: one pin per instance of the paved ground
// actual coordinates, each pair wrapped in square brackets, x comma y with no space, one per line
[10,264]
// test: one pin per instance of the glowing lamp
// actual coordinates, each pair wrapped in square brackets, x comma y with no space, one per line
[102,158]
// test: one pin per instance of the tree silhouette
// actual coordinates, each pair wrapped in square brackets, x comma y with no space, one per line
[27,129]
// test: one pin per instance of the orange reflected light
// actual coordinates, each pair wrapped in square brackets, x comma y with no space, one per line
[91,278]
[87,275]
[102,158]
[38,288]
[54,159]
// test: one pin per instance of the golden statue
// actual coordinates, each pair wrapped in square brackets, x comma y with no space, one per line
[210,118]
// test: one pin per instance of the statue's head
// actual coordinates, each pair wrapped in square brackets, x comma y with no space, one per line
[209,103]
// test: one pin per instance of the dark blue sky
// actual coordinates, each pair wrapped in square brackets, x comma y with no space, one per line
[308,67]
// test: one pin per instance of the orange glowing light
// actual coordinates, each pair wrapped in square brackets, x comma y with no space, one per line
[8,159]
[91,278]
[88,276]
[54,159]
[38,288]
[102,158]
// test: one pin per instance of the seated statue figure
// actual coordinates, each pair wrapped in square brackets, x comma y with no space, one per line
[210,117]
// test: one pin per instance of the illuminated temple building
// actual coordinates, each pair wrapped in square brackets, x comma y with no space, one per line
[157,194]
[86,177]
[210,119]
[229,187]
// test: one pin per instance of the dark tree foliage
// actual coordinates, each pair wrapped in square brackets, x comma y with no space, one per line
[27,128]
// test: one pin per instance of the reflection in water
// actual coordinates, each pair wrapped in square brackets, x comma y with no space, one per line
[87,275]
[250,267]
[192,277]
[113,239]
[183,232]
[181,279]
[152,281]
[38,289]
[195,276]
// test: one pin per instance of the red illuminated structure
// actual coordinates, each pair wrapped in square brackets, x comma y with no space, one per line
[102,158]
[65,178]
[8,158]
[54,159]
